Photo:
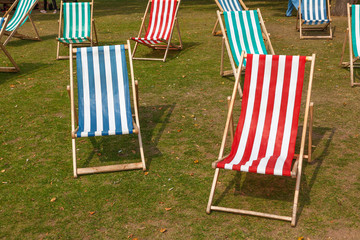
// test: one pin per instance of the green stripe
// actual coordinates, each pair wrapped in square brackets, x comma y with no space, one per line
[353,28]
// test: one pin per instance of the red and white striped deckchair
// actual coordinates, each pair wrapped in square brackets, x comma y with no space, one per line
[265,137]
[163,17]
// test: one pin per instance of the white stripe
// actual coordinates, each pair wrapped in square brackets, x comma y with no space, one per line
[73,33]
[109,88]
[170,22]
[67,34]
[87,20]
[316,3]
[86,90]
[357,33]
[80,28]
[166,11]
[98,96]
[246,23]
[248,115]
[152,24]
[275,116]
[158,19]
[323,8]
[262,114]
[289,116]
[256,33]
[124,126]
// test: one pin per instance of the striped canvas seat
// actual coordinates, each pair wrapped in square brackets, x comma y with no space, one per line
[314,12]
[21,10]
[230,5]
[161,22]
[2,20]
[265,137]
[77,20]
[244,33]
[103,91]
[355,29]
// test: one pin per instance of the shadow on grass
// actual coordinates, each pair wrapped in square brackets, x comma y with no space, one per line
[25,70]
[153,121]
[17,42]
[281,188]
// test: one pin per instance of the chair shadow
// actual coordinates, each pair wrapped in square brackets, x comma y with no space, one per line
[25,69]
[281,188]
[17,42]
[126,148]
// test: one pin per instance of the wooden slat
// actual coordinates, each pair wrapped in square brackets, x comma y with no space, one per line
[110,168]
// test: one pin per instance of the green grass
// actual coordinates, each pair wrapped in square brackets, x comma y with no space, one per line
[186,93]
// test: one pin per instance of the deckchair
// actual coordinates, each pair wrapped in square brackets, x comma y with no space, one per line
[15,68]
[245,31]
[227,6]
[265,137]
[162,19]
[78,25]
[316,15]
[104,100]
[22,13]
[353,33]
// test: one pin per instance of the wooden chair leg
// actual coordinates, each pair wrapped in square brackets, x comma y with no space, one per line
[213,186]
[231,121]
[343,48]
[74,156]
[137,93]
[215,26]
[311,119]
[222,57]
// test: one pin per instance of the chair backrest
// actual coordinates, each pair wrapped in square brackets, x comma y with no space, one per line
[244,33]
[355,29]
[161,21]
[77,19]
[103,91]
[22,9]
[265,137]
[230,5]
[314,11]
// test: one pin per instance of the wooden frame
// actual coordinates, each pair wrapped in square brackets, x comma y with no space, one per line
[14,32]
[136,123]
[219,33]
[92,32]
[168,45]
[297,166]
[15,67]
[225,41]
[301,28]
[353,62]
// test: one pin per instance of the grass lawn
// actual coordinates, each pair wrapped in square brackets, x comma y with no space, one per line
[182,114]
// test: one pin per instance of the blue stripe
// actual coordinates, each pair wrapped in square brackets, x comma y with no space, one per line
[115,80]
[104,100]
[126,89]
[93,122]
[80,91]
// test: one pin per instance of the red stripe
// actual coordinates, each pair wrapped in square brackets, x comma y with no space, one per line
[282,118]
[240,125]
[295,122]
[151,18]
[269,113]
[169,21]
[255,113]
[161,20]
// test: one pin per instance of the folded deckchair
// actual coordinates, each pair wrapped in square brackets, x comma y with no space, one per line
[227,6]
[163,17]
[245,31]
[104,100]
[78,25]
[15,68]
[22,13]
[353,33]
[314,15]
[265,137]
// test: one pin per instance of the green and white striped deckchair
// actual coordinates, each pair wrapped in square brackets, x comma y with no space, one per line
[353,33]
[78,25]
[22,13]
[15,68]
[226,6]
[245,31]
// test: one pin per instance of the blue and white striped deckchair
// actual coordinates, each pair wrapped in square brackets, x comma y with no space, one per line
[22,13]
[226,6]
[104,99]
[15,68]
[245,32]
[353,30]
[314,12]
[77,25]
